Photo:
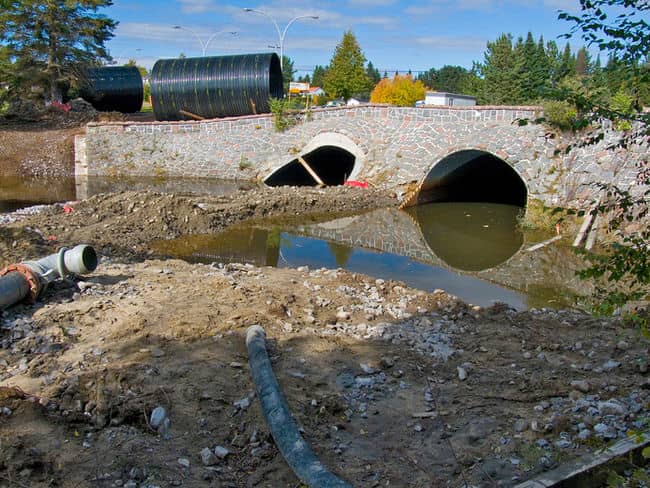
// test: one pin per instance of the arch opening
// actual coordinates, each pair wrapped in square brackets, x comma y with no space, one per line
[473,176]
[332,164]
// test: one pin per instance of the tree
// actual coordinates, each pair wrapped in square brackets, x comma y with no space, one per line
[401,91]
[451,78]
[143,71]
[53,37]
[318,77]
[618,28]
[346,75]
[429,78]
[373,74]
[498,70]
[287,72]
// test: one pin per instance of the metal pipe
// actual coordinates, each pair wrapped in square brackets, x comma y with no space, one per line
[13,288]
[294,448]
[29,278]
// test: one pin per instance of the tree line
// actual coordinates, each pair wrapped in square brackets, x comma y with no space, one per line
[521,72]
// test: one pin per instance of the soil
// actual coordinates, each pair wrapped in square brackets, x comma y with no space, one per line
[392,386]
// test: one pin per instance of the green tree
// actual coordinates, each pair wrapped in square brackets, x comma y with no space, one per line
[53,37]
[582,62]
[373,75]
[619,28]
[346,75]
[451,78]
[287,72]
[429,78]
[318,77]
[498,70]
[143,71]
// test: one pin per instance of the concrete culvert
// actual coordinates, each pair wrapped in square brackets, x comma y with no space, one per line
[332,165]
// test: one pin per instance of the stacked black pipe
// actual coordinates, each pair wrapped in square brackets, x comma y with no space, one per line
[113,88]
[209,87]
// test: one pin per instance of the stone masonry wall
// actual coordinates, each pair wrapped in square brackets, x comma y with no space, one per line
[394,146]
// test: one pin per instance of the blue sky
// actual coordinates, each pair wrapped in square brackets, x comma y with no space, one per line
[393,35]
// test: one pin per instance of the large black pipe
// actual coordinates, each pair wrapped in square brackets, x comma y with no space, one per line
[210,87]
[113,88]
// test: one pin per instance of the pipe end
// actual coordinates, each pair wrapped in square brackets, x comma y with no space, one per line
[255,332]
[81,259]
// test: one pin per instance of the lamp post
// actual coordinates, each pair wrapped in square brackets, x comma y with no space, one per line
[283,33]
[204,45]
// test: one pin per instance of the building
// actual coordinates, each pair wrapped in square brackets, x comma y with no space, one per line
[448,99]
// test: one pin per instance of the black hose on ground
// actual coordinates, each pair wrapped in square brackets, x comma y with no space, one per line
[296,451]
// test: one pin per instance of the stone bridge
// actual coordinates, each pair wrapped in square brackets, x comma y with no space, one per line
[425,154]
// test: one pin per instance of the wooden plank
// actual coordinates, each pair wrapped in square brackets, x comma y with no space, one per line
[583,229]
[577,473]
[544,243]
[591,238]
[313,174]
[191,115]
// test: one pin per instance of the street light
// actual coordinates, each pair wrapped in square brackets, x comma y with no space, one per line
[204,45]
[281,34]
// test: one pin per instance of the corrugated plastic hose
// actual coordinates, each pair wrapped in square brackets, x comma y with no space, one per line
[294,448]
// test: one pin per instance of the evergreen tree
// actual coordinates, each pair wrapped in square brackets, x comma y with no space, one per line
[553,63]
[318,76]
[567,63]
[287,72]
[51,38]
[373,74]
[582,62]
[451,78]
[531,73]
[385,74]
[473,84]
[346,75]
[429,79]
[498,71]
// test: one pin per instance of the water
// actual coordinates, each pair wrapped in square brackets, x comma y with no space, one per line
[472,250]
[19,192]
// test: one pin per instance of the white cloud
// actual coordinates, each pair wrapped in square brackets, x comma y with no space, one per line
[419,10]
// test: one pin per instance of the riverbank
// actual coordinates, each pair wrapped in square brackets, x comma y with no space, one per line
[392,385]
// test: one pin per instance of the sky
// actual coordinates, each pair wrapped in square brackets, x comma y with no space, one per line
[393,35]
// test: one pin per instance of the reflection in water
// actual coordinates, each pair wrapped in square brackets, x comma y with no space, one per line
[22,191]
[470,236]
[19,192]
[416,248]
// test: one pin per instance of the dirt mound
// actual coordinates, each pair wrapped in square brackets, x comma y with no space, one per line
[124,224]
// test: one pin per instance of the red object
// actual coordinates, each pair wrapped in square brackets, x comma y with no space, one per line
[65,107]
[67,208]
[51,238]
[358,184]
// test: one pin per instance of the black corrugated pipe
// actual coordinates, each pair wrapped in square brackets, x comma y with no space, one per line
[219,86]
[113,88]
[296,451]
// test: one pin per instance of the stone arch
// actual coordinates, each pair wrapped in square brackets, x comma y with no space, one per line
[470,175]
[334,157]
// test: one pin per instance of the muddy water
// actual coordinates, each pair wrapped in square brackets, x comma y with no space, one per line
[19,191]
[473,250]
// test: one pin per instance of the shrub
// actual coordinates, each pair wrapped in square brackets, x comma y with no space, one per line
[560,114]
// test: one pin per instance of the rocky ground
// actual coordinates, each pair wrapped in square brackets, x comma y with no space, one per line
[392,386]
